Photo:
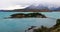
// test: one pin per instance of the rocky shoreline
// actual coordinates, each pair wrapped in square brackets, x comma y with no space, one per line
[55,28]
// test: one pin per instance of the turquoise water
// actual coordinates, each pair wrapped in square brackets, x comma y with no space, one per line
[20,25]
[48,14]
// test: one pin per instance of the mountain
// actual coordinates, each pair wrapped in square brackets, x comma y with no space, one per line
[55,9]
[36,8]
[40,6]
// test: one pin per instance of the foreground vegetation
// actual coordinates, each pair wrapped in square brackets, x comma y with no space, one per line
[55,28]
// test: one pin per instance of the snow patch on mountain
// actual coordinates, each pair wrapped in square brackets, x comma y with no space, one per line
[43,6]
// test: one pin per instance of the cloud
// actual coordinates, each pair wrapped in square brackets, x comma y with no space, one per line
[14,4]
[14,7]
[7,4]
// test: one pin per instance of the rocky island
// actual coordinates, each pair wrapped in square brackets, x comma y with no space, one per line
[29,15]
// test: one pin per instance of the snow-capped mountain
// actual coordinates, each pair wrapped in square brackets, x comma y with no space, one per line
[44,6]
[36,7]
[39,8]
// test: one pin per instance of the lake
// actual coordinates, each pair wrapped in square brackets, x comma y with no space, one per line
[48,14]
[21,24]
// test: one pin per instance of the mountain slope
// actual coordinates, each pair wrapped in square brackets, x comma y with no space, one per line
[37,8]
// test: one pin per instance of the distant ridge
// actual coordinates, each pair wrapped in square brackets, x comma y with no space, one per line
[36,8]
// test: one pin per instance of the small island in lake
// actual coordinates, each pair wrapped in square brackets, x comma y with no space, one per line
[29,15]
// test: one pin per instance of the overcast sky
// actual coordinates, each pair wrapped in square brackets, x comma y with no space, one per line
[16,4]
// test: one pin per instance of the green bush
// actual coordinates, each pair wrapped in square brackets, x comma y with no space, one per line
[58,22]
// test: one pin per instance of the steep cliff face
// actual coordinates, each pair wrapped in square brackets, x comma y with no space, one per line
[21,15]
